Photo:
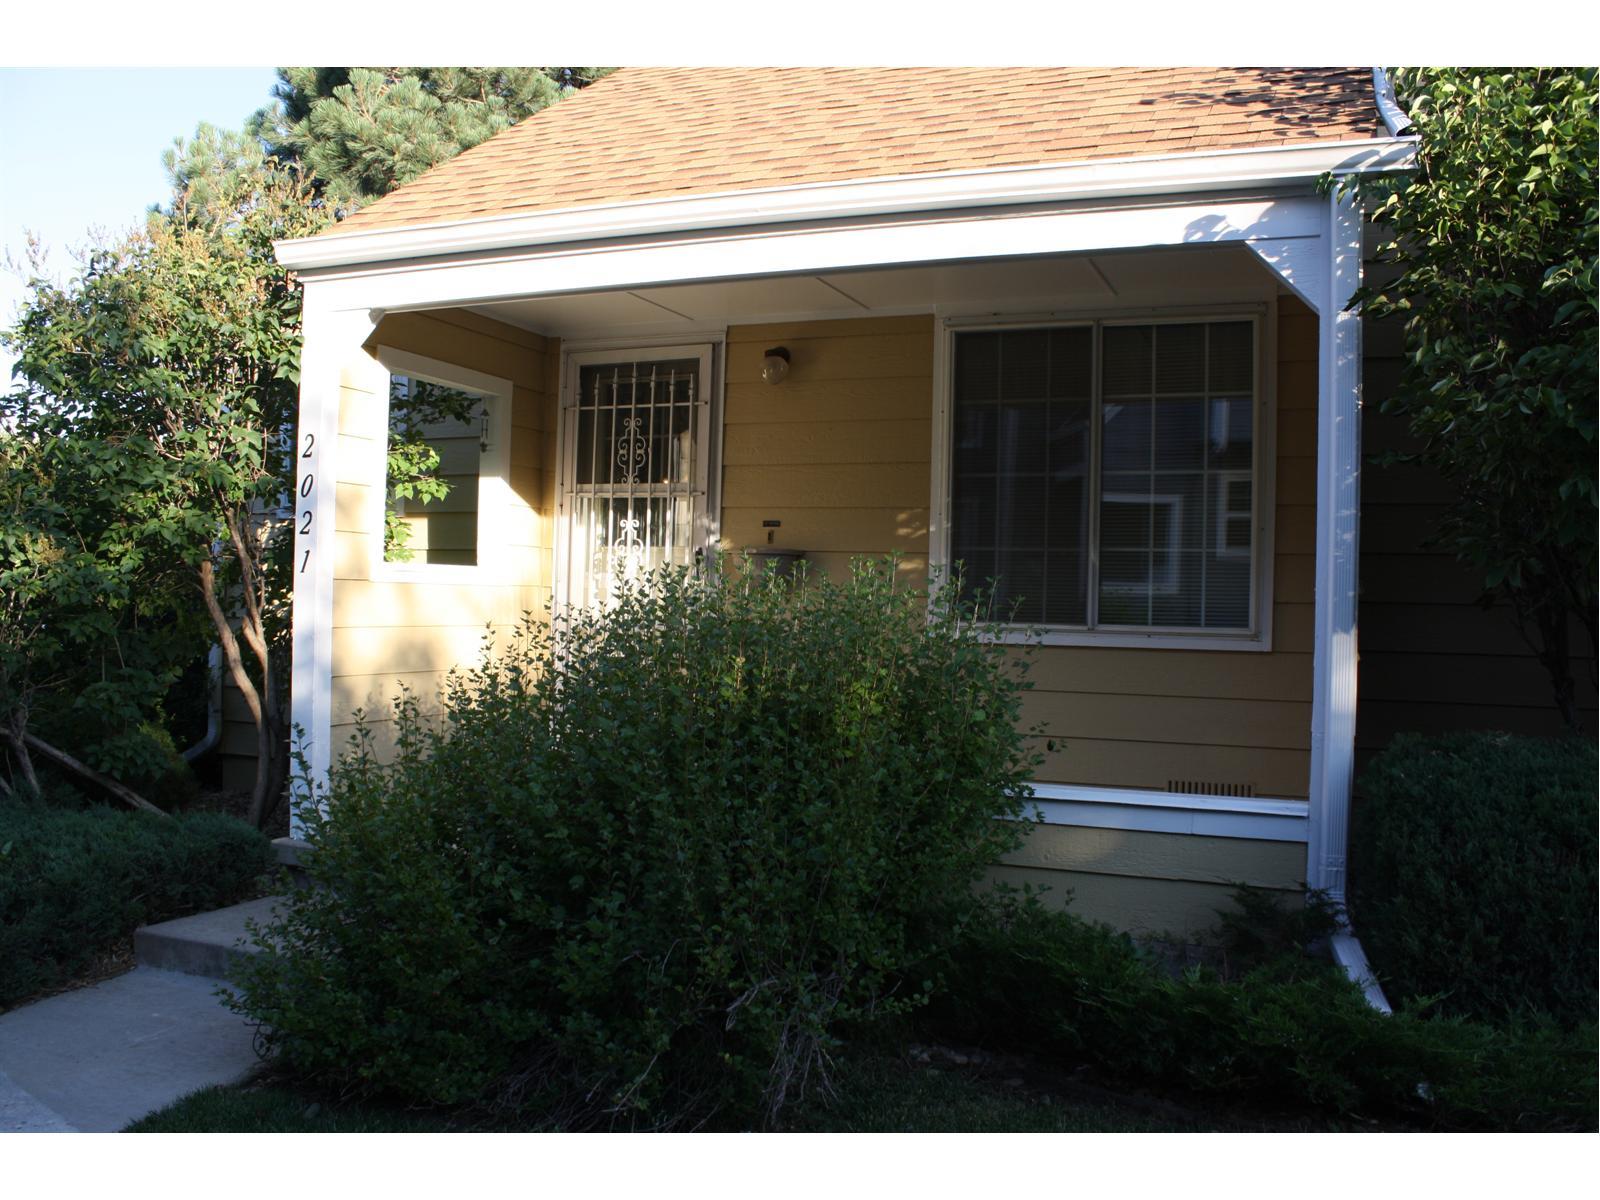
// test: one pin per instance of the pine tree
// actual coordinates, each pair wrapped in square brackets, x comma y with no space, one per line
[361,132]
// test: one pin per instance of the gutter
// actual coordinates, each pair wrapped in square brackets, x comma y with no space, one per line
[1102,179]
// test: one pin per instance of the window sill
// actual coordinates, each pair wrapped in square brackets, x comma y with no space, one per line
[1123,639]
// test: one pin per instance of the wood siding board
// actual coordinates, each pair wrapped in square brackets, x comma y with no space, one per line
[1187,857]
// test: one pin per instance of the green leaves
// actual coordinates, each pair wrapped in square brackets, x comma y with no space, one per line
[363,131]
[685,840]
[1494,242]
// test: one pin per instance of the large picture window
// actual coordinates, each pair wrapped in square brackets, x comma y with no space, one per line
[1105,476]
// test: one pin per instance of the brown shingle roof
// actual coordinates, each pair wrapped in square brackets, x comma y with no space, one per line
[651,132]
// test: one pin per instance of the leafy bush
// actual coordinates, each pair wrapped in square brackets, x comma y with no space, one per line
[1474,872]
[72,883]
[655,857]
[1292,1031]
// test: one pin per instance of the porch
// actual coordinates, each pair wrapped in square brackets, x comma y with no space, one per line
[1182,753]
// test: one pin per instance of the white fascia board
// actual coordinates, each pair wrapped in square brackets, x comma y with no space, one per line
[834,246]
[1255,818]
[1145,175]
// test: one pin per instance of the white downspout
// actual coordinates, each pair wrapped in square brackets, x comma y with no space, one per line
[1333,710]
[213,733]
[1395,121]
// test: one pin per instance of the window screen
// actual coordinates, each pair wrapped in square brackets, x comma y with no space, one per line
[1117,495]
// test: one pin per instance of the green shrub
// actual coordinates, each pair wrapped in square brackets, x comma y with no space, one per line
[72,883]
[1289,1032]
[1474,873]
[655,858]
[146,759]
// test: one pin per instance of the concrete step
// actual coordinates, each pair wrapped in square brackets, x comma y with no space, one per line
[204,944]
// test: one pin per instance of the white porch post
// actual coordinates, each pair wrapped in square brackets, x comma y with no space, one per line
[1333,709]
[332,343]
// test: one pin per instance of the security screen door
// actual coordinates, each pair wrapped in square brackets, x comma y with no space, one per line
[634,498]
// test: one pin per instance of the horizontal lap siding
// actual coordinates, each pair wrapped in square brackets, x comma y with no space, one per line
[389,634]
[1432,659]
[1147,717]
[839,451]
[1150,883]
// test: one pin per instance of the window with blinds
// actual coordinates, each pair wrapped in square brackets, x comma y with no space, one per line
[636,472]
[1103,476]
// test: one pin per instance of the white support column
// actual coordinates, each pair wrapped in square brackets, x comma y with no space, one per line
[332,343]
[1333,709]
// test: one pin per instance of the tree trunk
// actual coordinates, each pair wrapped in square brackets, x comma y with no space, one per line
[271,771]
[62,759]
[1555,653]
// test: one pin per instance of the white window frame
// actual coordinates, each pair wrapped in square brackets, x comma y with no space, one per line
[1258,637]
[710,350]
[494,475]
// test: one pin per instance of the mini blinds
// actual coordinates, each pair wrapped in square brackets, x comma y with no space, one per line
[1103,476]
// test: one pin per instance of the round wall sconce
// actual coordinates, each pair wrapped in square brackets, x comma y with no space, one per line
[775,364]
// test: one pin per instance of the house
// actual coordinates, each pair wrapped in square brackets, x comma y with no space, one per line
[1083,330]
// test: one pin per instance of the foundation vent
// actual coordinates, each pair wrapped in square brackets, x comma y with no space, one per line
[1205,787]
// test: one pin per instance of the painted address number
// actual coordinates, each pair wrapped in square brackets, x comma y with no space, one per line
[308,485]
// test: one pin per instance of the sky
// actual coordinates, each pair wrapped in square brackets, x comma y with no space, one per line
[81,149]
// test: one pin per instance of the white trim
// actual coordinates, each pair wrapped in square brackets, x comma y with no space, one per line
[1258,638]
[1394,118]
[827,247]
[1141,175]
[332,342]
[1255,818]
[494,477]
[1333,701]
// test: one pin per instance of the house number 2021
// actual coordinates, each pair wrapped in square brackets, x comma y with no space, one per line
[308,484]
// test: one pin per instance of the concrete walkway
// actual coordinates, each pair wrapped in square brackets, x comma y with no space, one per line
[103,1056]
[100,1057]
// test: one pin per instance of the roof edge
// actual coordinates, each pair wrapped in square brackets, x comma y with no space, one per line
[1096,179]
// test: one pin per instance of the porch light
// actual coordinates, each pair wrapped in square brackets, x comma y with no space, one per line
[775,364]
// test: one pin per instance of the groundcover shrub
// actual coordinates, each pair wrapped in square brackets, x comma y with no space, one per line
[1292,1031]
[651,861]
[1474,872]
[73,882]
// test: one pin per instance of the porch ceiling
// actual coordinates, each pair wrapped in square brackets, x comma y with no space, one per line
[1119,280]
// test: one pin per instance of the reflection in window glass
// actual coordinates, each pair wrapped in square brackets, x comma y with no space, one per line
[1175,499]
[437,438]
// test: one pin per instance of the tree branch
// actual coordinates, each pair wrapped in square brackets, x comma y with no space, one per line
[62,759]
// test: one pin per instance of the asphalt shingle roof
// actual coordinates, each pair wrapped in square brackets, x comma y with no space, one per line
[652,132]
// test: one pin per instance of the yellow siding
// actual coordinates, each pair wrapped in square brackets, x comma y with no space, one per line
[1153,883]
[840,452]
[1146,718]
[389,633]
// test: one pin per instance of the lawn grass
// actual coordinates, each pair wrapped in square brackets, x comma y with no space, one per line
[879,1093]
